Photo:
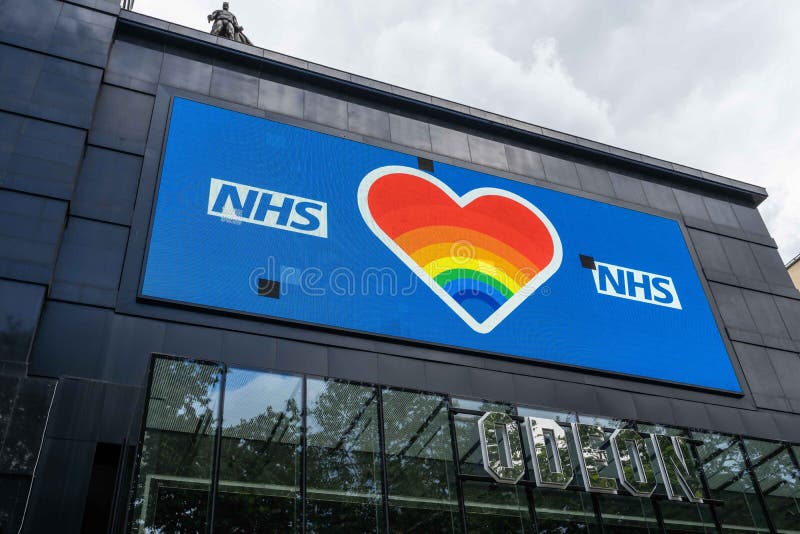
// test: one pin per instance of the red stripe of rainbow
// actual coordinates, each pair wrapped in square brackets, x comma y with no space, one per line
[506,244]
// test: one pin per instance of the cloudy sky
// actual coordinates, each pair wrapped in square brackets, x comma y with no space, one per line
[712,84]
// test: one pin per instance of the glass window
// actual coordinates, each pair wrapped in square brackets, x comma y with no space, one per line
[343,464]
[679,517]
[259,466]
[423,495]
[561,510]
[729,481]
[174,481]
[779,480]
[499,508]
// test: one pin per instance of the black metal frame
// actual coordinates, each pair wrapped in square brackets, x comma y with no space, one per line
[527,484]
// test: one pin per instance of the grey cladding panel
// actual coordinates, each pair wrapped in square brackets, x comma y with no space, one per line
[184,70]
[280,98]
[39,157]
[628,189]
[71,341]
[764,312]
[525,162]
[135,64]
[710,251]
[30,229]
[410,132]
[594,180]
[741,259]
[660,197]
[367,121]
[561,171]
[122,119]
[787,367]
[487,152]
[732,306]
[90,262]
[721,212]
[750,220]
[326,110]
[58,28]
[107,185]
[46,87]
[235,85]
[450,143]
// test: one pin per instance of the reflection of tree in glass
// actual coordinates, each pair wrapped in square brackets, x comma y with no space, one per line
[343,460]
[178,447]
[422,484]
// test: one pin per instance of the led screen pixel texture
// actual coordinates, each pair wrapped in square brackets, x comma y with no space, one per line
[268,219]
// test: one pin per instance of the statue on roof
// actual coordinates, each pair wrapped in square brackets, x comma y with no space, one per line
[226,25]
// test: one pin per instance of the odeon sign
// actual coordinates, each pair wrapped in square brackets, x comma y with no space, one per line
[503,457]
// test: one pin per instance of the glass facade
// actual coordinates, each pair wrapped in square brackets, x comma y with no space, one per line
[234,450]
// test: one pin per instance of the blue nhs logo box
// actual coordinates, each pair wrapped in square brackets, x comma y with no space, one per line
[284,223]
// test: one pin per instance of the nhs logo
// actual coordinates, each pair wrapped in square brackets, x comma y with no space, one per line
[238,203]
[641,286]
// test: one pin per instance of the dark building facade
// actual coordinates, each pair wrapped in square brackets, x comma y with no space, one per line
[113,405]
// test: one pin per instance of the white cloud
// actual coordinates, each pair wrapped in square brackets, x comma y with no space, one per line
[708,83]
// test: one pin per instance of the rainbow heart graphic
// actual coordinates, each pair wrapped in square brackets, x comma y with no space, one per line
[482,253]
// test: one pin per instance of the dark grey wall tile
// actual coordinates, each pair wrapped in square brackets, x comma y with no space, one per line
[247,350]
[401,372]
[741,259]
[59,28]
[628,189]
[70,341]
[443,378]
[367,121]
[46,87]
[127,349]
[410,132]
[787,368]
[192,341]
[765,314]
[721,212]
[789,310]
[759,424]
[39,157]
[120,413]
[750,220]
[487,152]
[122,119]
[83,34]
[594,180]
[31,24]
[280,98]
[525,162]
[185,70]
[107,185]
[302,357]
[492,385]
[30,230]
[710,251]
[353,365]
[135,64]
[449,142]
[533,391]
[660,197]
[615,403]
[758,370]
[725,419]
[561,171]
[732,307]
[234,84]
[327,110]
[771,265]
[691,205]
[90,262]
[20,306]
[690,414]
[656,409]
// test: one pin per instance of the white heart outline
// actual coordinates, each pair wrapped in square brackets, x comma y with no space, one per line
[511,304]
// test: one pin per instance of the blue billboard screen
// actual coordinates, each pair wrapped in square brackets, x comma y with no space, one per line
[265,218]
